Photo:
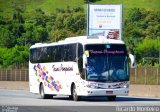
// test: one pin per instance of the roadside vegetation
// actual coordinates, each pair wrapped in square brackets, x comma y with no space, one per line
[22,25]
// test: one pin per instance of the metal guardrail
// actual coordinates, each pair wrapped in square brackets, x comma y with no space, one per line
[145,75]
[140,75]
[14,75]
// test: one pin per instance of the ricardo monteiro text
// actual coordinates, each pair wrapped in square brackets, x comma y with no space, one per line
[125,109]
[137,109]
[148,109]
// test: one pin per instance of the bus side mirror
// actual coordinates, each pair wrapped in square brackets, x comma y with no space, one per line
[85,56]
[84,61]
[132,60]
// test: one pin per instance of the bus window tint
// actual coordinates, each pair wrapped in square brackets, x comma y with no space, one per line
[80,59]
[53,53]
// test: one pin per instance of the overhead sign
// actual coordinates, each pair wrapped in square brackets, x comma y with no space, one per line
[105,20]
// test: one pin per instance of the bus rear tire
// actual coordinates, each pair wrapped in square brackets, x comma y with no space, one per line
[71,97]
[42,93]
[74,94]
[111,98]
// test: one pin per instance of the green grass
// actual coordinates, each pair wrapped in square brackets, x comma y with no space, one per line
[49,6]
[147,4]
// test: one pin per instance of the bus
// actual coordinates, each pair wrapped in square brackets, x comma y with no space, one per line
[80,66]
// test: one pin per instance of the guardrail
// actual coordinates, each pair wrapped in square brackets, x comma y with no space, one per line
[14,75]
[140,75]
[145,75]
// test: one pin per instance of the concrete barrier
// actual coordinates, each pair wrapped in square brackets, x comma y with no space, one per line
[145,90]
[135,90]
[15,85]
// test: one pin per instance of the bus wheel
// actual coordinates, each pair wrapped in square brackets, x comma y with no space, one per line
[111,98]
[42,93]
[70,97]
[75,96]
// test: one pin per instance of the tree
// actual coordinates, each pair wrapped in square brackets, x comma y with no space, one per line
[70,22]
[147,48]
[17,54]
[141,33]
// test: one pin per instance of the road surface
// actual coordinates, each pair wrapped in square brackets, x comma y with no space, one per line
[24,101]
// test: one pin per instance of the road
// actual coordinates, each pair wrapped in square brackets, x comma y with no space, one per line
[24,101]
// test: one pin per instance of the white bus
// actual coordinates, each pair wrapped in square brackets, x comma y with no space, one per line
[79,66]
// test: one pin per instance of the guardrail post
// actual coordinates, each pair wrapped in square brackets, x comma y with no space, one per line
[1,75]
[157,76]
[10,74]
[135,75]
[6,75]
[15,75]
[25,76]
[20,75]
[145,74]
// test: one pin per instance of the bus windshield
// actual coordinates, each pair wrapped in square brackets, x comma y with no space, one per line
[107,63]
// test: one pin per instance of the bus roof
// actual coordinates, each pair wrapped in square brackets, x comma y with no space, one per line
[83,40]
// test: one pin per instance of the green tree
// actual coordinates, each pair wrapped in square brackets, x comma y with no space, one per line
[68,23]
[149,48]
[17,54]
[141,33]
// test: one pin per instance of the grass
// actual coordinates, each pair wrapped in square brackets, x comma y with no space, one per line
[147,4]
[49,6]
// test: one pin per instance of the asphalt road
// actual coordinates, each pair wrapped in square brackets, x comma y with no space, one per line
[24,101]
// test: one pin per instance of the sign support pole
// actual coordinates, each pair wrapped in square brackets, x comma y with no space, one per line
[87,17]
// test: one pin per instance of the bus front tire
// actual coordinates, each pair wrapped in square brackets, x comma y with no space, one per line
[42,93]
[111,98]
[71,97]
[74,94]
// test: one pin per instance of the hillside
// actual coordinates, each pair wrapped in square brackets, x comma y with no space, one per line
[49,6]
[26,22]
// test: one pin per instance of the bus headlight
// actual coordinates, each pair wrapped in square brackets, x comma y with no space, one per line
[126,86]
[91,86]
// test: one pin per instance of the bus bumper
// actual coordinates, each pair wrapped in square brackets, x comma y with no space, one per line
[105,92]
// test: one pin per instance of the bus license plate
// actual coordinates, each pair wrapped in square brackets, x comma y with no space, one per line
[109,92]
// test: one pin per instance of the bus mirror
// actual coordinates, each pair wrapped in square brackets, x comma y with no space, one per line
[84,61]
[86,53]
[132,60]
[85,56]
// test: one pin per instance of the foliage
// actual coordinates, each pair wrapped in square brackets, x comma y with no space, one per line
[17,54]
[142,34]
[49,6]
[68,23]
[148,51]
[19,31]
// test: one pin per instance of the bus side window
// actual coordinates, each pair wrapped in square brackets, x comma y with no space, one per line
[57,54]
[44,55]
[38,55]
[62,53]
[65,53]
[49,54]
[74,52]
[80,61]
[32,55]
[53,52]
[71,52]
